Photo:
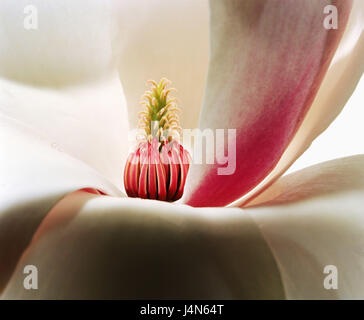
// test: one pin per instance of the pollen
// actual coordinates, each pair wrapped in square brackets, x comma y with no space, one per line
[159,116]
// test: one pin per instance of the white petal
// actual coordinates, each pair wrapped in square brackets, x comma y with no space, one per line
[103,247]
[129,249]
[314,218]
[35,174]
[61,79]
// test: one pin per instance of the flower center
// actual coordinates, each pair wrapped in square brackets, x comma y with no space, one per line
[158,168]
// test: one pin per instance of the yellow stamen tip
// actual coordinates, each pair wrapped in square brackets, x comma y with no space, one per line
[157,106]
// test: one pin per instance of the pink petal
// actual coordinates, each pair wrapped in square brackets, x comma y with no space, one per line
[339,83]
[268,60]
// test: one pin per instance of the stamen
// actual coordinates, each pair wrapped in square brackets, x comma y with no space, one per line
[158,106]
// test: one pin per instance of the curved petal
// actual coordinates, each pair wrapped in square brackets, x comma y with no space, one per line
[63,120]
[310,219]
[314,218]
[61,78]
[110,248]
[339,83]
[35,175]
[263,85]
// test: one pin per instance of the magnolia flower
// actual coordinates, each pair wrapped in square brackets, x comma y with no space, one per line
[70,81]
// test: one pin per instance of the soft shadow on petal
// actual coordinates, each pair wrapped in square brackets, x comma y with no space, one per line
[268,59]
[63,114]
[61,79]
[339,83]
[111,248]
[314,218]
[35,175]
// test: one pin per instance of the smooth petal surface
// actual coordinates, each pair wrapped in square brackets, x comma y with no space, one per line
[101,247]
[61,79]
[130,249]
[140,249]
[339,83]
[314,218]
[63,118]
[268,59]
[35,175]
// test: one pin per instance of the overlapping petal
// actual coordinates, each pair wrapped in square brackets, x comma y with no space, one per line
[310,219]
[61,79]
[45,159]
[268,60]
[34,176]
[314,218]
[339,83]
[110,248]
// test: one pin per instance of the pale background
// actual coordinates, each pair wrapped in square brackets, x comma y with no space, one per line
[344,137]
